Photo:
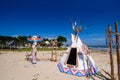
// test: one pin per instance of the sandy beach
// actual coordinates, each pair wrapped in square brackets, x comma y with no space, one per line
[14,66]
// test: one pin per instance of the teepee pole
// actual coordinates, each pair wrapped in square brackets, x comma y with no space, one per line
[117,49]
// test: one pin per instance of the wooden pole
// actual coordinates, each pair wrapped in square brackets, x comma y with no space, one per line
[52,54]
[117,49]
[54,51]
[110,51]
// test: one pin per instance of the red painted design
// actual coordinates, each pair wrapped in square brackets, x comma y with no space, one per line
[66,69]
[35,38]
[74,71]
[83,72]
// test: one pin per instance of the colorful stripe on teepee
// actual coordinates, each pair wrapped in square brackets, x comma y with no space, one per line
[77,72]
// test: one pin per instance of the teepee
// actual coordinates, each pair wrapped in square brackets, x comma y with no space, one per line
[76,61]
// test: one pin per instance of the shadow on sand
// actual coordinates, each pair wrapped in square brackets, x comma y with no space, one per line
[99,76]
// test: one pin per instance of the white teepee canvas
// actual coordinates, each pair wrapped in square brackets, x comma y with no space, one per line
[76,60]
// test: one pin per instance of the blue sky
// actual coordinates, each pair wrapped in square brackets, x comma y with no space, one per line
[51,18]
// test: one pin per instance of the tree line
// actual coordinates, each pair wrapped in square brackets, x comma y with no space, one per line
[22,41]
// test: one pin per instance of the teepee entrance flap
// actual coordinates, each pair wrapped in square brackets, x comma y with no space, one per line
[72,58]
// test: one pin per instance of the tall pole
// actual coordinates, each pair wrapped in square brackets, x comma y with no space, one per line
[117,49]
[110,51]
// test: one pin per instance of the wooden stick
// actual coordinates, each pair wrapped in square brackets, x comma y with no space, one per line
[112,77]
[117,49]
[113,32]
[110,51]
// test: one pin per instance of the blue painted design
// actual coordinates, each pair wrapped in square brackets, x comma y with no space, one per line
[69,72]
[78,74]
[61,69]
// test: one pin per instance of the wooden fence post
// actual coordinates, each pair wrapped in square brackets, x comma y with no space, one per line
[117,49]
[110,51]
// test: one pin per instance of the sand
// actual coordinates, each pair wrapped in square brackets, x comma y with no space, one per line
[14,66]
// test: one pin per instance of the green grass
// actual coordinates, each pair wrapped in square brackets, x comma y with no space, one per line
[29,49]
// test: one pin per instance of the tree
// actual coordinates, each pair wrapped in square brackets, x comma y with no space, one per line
[22,40]
[60,40]
[43,41]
